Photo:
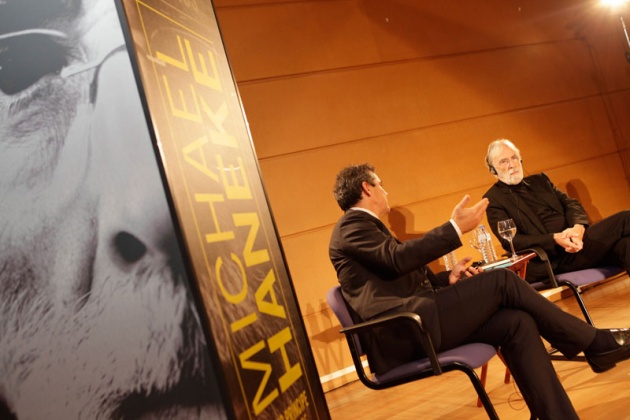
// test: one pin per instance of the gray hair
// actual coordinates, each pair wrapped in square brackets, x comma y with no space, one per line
[493,151]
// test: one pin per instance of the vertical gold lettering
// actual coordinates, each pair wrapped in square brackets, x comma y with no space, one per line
[230,297]
[200,163]
[239,324]
[269,307]
[180,64]
[293,373]
[259,403]
[201,73]
[234,190]
[182,111]
[234,298]
[219,135]
[251,257]
[219,235]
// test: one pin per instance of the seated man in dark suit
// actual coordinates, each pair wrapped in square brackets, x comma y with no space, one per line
[548,218]
[379,274]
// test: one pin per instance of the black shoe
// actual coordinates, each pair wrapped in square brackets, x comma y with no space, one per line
[601,362]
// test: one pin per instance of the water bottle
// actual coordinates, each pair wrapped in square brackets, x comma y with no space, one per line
[450,260]
[489,255]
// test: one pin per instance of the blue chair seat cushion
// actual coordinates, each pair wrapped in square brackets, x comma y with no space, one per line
[474,355]
[582,277]
[588,276]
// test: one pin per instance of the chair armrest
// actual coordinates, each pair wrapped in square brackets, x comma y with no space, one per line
[425,338]
[542,255]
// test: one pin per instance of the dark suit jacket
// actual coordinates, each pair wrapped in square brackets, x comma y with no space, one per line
[379,274]
[530,231]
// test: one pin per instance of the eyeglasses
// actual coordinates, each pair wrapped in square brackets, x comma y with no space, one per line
[503,163]
[29,55]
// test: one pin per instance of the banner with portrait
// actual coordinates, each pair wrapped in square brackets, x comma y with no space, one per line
[221,206]
[98,318]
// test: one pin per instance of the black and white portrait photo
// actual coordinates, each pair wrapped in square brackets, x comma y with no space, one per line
[97,318]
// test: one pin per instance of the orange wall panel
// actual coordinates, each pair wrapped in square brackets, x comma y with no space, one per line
[295,38]
[419,89]
[268,39]
[306,112]
[427,163]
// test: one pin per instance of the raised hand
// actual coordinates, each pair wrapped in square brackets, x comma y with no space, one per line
[468,218]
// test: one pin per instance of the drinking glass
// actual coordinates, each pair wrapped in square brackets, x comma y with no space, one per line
[507,230]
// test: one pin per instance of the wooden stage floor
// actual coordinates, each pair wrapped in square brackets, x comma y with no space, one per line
[451,396]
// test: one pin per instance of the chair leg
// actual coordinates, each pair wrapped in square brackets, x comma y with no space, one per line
[506,379]
[481,392]
[484,374]
[578,297]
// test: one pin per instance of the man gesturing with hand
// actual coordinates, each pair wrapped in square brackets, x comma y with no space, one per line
[381,275]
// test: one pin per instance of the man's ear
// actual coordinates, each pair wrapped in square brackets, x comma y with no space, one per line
[365,187]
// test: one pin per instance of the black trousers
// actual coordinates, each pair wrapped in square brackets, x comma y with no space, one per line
[605,242]
[499,308]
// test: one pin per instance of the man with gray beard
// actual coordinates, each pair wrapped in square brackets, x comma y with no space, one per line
[548,218]
[96,314]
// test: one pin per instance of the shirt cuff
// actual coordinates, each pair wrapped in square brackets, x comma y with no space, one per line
[457,229]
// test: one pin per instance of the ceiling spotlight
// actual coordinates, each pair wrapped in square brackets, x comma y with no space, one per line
[614,5]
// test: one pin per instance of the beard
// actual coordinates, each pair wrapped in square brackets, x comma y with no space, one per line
[132,348]
[511,179]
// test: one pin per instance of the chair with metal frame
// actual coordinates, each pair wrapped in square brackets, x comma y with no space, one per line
[573,280]
[464,358]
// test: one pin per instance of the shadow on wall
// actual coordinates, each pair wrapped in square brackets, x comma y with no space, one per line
[578,190]
[327,343]
[328,330]
[401,224]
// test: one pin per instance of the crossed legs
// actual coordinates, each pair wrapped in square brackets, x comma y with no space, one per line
[499,308]
[515,333]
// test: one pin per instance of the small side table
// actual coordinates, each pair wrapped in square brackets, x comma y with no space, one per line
[519,266]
